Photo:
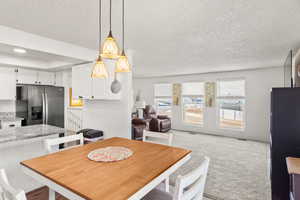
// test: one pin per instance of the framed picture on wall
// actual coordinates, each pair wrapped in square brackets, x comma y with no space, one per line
[74,102]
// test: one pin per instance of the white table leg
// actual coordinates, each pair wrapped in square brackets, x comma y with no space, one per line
[166,181]
[51,194]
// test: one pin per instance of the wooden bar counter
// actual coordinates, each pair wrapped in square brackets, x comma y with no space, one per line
[293,167]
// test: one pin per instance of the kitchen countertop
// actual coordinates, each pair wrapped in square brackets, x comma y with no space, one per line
[28,132]
[10,119]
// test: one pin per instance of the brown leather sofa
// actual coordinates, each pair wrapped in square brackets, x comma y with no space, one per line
[157,123]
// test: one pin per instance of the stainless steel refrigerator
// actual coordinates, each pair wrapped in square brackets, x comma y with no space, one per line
[40,105]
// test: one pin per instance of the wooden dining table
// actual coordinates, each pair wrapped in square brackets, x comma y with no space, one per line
[73,175]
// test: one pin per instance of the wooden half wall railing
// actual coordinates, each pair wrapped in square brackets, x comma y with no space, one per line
[74,119]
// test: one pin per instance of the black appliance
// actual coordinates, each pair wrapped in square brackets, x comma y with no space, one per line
[285,137]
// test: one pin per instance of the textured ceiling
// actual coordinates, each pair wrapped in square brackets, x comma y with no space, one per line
[172,36]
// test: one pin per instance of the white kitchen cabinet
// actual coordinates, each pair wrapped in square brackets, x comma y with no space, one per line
[93,88]
[58,80]
[7,83]
[45,78]
[27,76]
[99,86]
[82,81]
[10,124]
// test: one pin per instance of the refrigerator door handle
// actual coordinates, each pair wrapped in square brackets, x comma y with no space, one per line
[46,108]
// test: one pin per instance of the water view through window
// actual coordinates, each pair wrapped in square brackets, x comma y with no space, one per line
[231,113]
[193,110]
[163,106]
[163,99]
[193,103]
[231,101]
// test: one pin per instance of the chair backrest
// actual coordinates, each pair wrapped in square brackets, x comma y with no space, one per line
[191,185]
[50,143]
[158,137]
[7,192]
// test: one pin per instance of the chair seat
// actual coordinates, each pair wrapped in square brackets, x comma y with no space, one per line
[157,194]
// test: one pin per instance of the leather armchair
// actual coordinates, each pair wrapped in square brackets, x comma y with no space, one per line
[138,126]
[157,123]
[160,124]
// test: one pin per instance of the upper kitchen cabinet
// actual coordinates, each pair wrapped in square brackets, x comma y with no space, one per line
[82,81]
[27,76]
[58,79]
[92,88]
[7,83]
[45,78]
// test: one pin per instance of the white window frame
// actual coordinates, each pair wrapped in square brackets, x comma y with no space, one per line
[182,105]
[162,97]
[231,98]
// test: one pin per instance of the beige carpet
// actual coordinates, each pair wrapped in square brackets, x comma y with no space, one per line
[238,169]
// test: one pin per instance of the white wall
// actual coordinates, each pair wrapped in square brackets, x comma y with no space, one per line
[111,116]
[258,86]
[7,106]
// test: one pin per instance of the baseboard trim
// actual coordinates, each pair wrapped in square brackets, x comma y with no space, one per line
[224,136]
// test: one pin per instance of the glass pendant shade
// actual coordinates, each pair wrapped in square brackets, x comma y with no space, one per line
[122,64]
[110,48]
[99,69]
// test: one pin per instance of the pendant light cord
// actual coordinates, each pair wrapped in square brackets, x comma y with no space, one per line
[110,15]
[123,22]
[100,9]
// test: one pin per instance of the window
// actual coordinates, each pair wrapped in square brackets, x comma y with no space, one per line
[163,99]
[193,102]
[231,104]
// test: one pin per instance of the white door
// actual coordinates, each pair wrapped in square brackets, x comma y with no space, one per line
[27,76]
[7,83]
[46,78]
[82,81]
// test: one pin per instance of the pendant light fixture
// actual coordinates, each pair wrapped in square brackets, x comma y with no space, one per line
[122,64]
[99,69]
[110,47]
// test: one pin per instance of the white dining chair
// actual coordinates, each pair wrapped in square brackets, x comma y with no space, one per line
[51,143]
[7,192]
[188,187]
[158,137]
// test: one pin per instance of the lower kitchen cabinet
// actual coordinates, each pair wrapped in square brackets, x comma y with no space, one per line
[10,124]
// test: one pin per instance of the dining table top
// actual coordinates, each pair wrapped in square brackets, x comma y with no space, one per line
[107,180]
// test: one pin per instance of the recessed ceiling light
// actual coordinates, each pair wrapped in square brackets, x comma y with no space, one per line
[18,50]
